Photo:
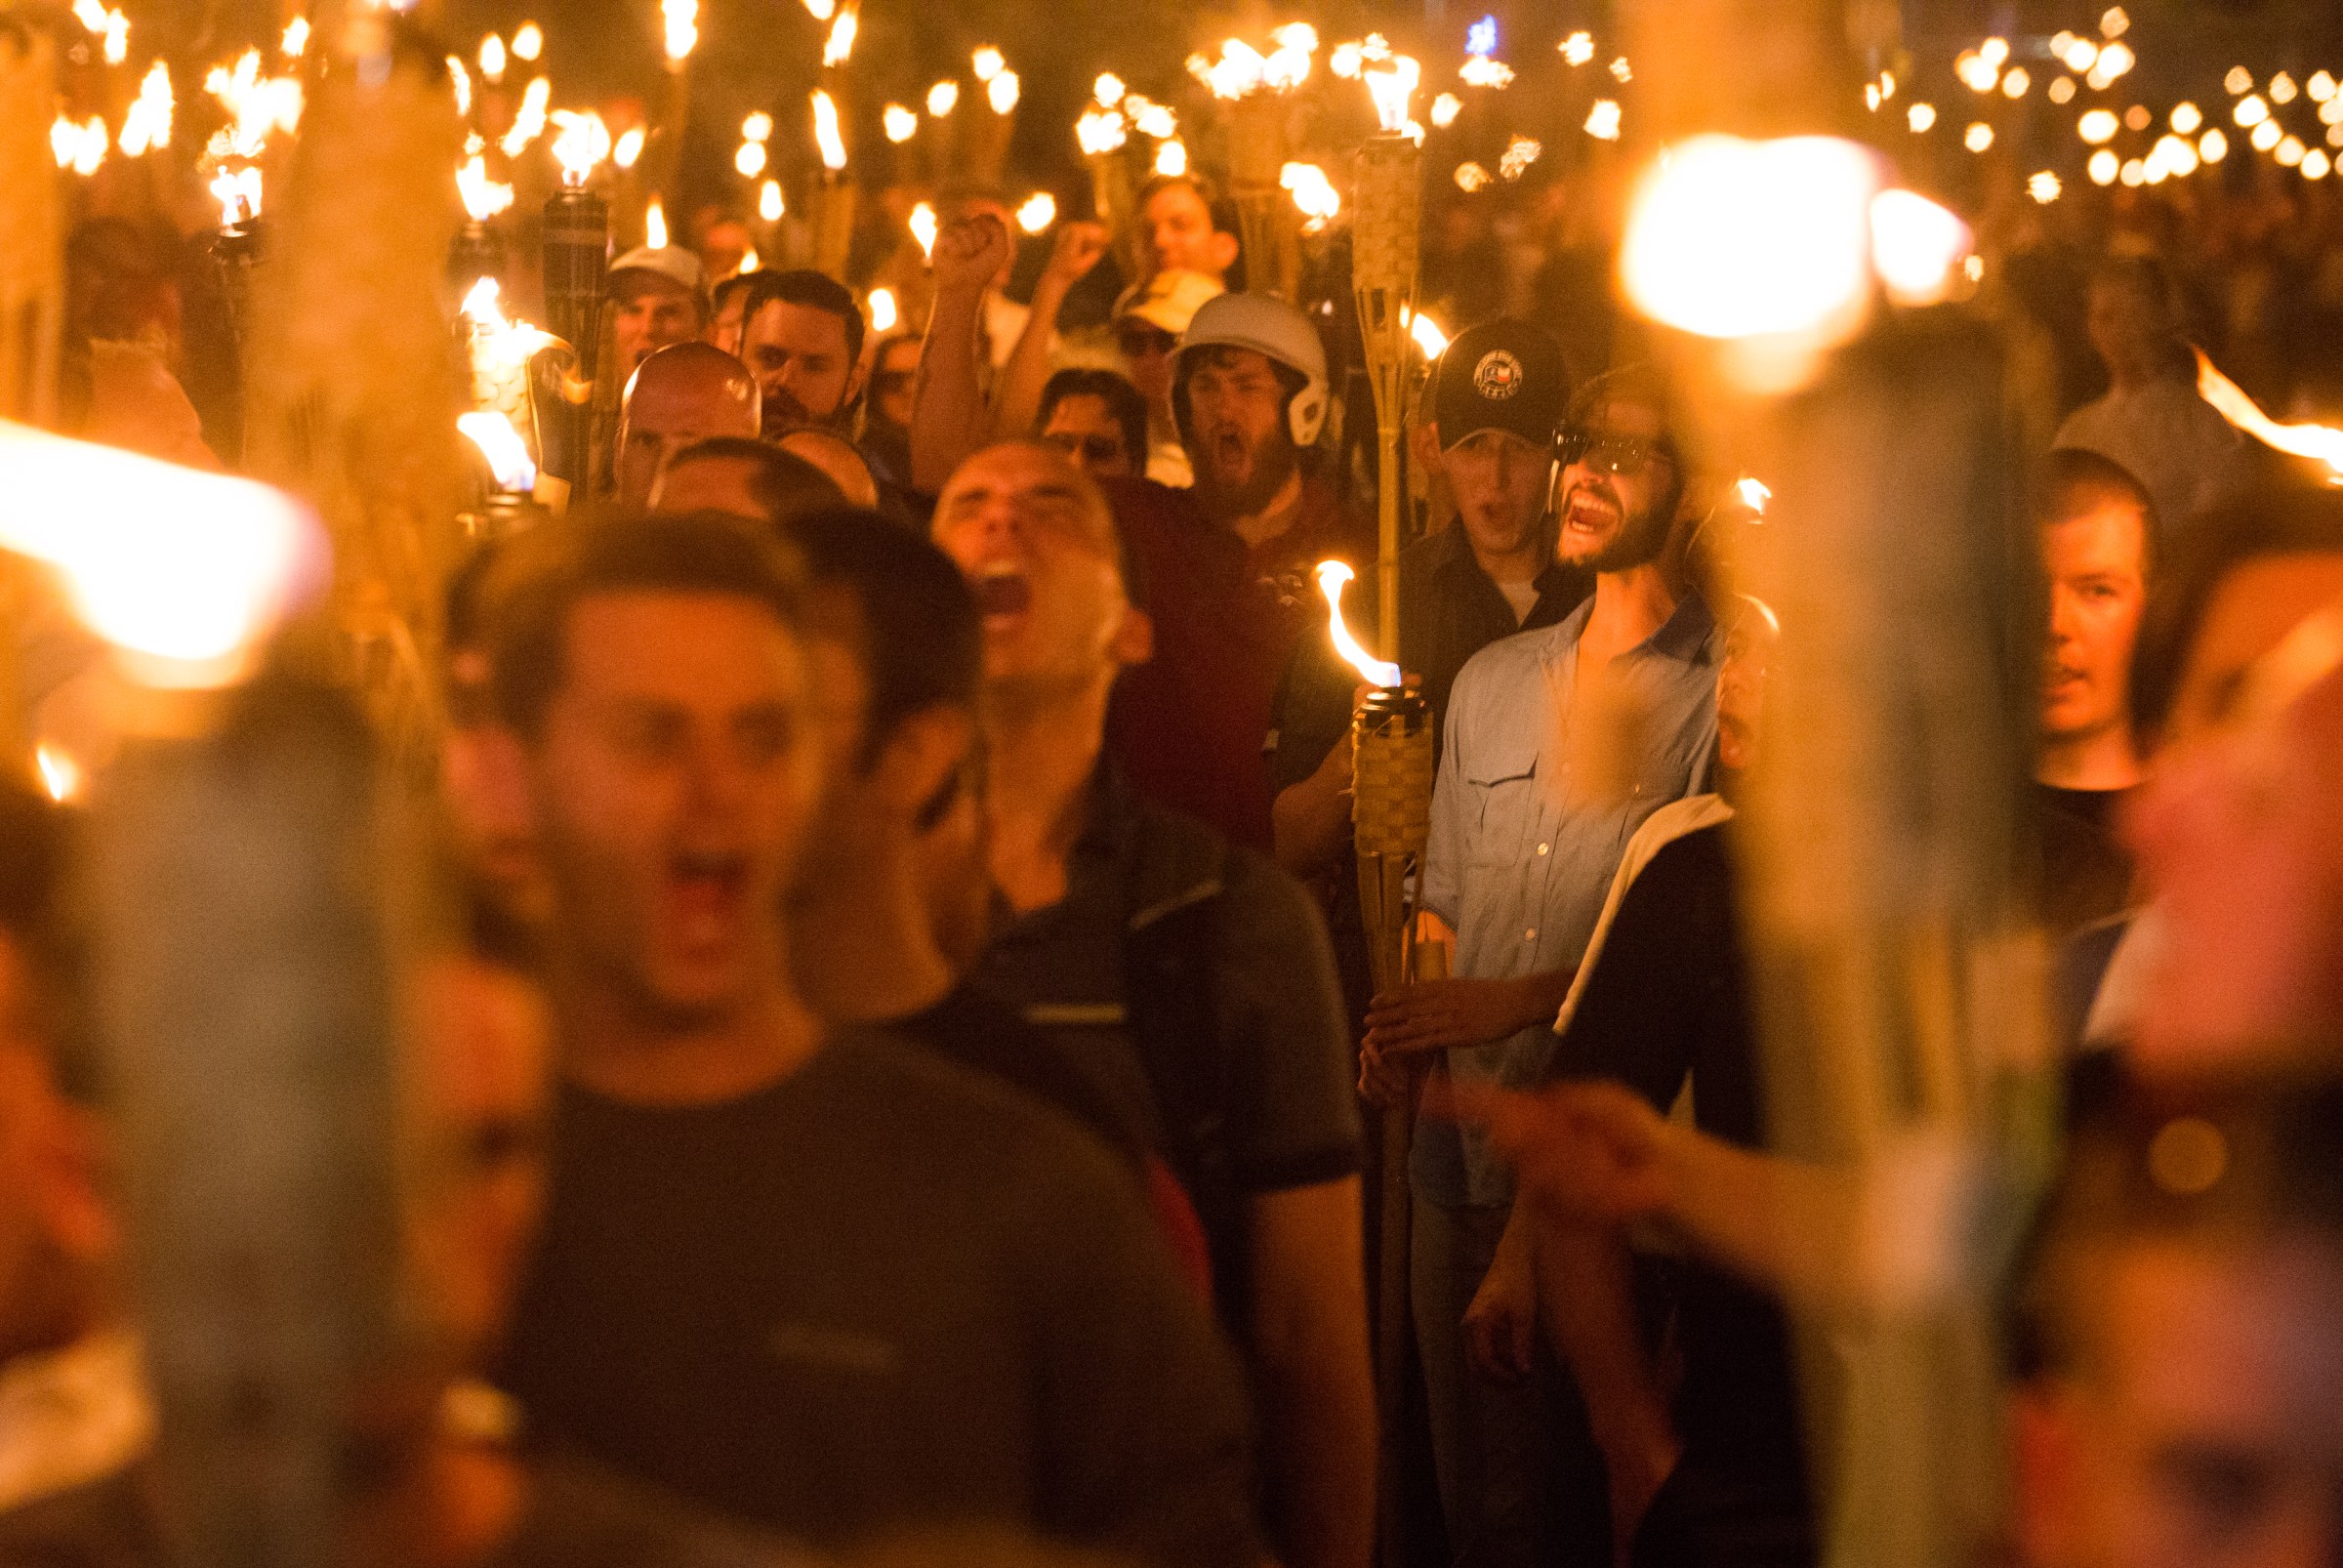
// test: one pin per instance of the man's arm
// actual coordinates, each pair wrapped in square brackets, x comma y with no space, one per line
[1310,820]
[947,410]
[1017,393]
[1584,1284]
[1309,1333]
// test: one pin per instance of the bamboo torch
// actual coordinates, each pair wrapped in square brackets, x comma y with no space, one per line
[833,211]
[1388,197]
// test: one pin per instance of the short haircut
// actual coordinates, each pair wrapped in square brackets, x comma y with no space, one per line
[1643,385]
[1221,211]
[2074,481]
[783,484]
[35,857]
[2284,517]
[815,290]
[1122,401]
[690,553]
[2224,1162]
[922,640]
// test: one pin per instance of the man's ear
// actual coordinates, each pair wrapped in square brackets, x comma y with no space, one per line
[1423,445]
[490,764]
[1134,637]
[1223,250]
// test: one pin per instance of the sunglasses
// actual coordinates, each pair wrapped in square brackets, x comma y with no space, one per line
[894,381]
[1623,455]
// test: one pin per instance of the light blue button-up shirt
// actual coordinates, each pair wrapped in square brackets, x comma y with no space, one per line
[1524,845]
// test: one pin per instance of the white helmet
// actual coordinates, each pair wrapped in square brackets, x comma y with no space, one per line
[1267,325]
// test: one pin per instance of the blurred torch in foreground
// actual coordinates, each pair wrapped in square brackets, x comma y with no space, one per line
[2320,442]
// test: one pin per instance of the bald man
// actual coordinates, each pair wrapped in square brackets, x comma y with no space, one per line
[837,456]
[685,393]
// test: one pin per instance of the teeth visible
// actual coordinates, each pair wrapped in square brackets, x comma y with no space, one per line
[1000,569]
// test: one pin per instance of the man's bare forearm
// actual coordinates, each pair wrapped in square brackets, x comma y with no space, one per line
[947,410]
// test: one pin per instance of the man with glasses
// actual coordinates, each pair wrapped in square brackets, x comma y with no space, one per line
[1148,321]
[1099,419]
[1559,743]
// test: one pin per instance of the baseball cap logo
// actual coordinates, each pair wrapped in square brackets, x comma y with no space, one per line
[1497,376]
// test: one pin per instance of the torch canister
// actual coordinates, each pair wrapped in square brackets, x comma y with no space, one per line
[576,257]
[1390,812]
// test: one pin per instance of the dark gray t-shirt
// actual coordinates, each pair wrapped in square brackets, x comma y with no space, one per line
[884,1293]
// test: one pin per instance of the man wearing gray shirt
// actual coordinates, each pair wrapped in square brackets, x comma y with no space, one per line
[1560,742]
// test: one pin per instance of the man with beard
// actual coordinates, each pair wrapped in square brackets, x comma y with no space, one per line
[1559,744]
[1192,974]
[801,337]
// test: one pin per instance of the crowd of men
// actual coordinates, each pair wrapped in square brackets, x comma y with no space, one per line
[900,1092]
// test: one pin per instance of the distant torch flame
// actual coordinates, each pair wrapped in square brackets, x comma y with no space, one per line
[923,227]
[1753,494]
[841,42]
[501,445]
[1427,334]
[683,19]
[580,141]
[60,775]
[2320,442]
[826,132]
[185,572]
[654,226]
[1332,575]
[626,150]
[1392,88]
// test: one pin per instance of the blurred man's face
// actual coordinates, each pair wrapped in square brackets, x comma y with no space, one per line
[1176,226]
[1038,544]
[2206,1430]
[672,780]
[488,809]
[724,326]
[481,1086]
[1741,679]
[1085,430]
[1147,352]
[895,381]
[2251,613]
[1502,486]
[1236,435]
[799,355]
[2098,586]
[723,246]
[2129,327]
[1614,497]
[653,311]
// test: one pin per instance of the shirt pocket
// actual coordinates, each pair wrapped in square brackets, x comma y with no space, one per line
[1504,783]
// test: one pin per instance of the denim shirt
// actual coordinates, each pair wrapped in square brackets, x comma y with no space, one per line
[1524,843]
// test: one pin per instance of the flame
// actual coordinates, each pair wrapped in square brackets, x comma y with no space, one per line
[2321,442]
[1347,61]
[1039,212]
[883,313]
[117,38]
[1313,194]
[769,205]
[1172,159]
[942,98]
[503,344]
[528,42]
[60,775]
[1239,69]
[1579,48]
[900,123]
[528,122]
[1602,120]
[1427,332]
[147,123]
[626,150]
[987,62]
[1519,155]
[492,59]
[683,19]
[1099,132]
[1332,575]
[255,106]
[1108,91]
[1392,88]
[1916,246]
[750,159]
[238,192]
[91,15]
[1002,91]
[78,147]
[185,572]
[1150,118]
[1445,109]
[923,227]
[501,445]
[1753,493]
[750,261]
[1481,71]
[758,127]
[654,226]
[484,197]
[841,43]
[460,80]
[825,131]
[580,141]
[821,9]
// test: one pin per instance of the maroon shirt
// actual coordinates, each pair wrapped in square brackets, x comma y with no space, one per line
[1188,728]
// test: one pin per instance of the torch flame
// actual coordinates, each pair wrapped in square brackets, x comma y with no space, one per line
[1427,333]
[942,98]
[900,123]
[507,344]
[1002,91]
[492,59]
[484,197]
[1392,88]
[654,226]
[628,148]
[770,206]
[1038,213]
[183,572]
[1099,132]
[60,775]
[825,132]
[581,142]
[528,42]
[501,445]
[682,18]
[1108,90]
[987,62]
[1332,575]
[528,122]
[841,42]
[147,124]
[2321,442]
[1753,493]
[923,227]
[884,313]
[1313,194]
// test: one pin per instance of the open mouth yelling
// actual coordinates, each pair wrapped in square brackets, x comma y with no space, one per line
[1003,592]
[706,892]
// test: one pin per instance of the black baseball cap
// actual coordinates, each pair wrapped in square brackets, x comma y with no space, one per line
[1502,375]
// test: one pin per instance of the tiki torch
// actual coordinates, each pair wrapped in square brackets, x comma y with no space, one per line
[1388,193]
[1255,86]
[577,259]
[833,211]
[1103,133]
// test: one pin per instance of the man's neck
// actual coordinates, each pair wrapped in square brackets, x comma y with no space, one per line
[615,1047]
[1522,566]
[1628,607]
[861,947]
[1042,754]
[1273,519]
[2097,760]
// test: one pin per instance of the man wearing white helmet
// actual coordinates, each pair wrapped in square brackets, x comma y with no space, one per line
[1249,392]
